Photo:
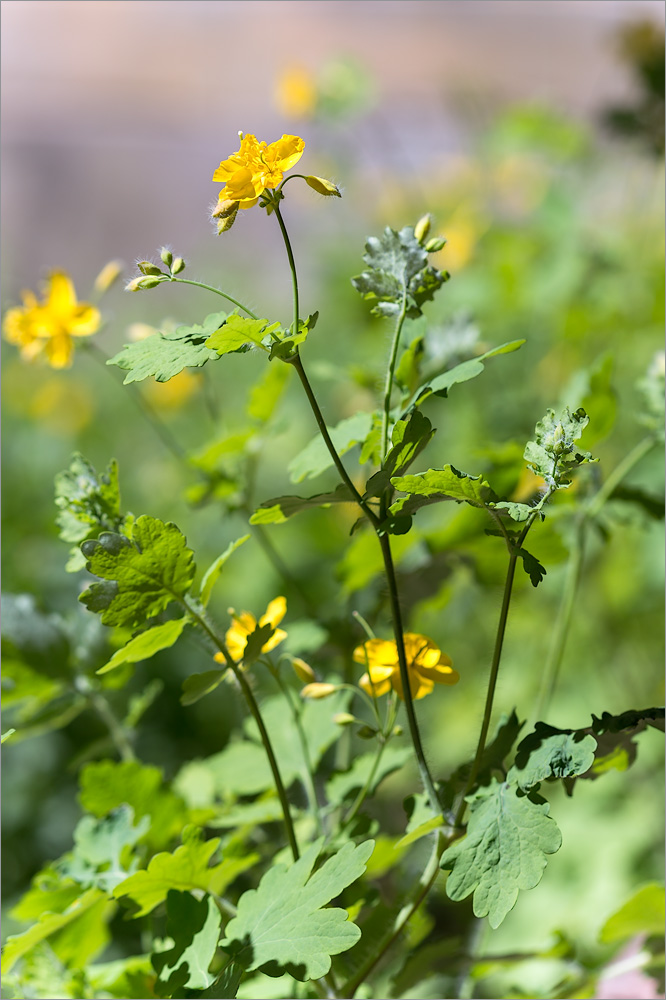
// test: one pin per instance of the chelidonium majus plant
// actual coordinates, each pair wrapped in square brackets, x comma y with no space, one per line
[289,887]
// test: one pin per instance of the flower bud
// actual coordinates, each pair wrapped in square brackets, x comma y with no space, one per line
[343,719]
[367,732]
[106,277]
[318,690]
[323,186]
[397,731]
[146,267]
[422,227]
[167,256]
[303,670]
[435,244]
[178,265]
[140,283]
[224,208]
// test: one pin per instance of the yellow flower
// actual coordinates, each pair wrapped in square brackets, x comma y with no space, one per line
[255,167]
[426,666]
[48,327]
[245,623]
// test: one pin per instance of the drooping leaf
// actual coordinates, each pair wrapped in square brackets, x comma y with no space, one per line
[398,271]
[504,850]
[98,845]
[187,868]
[194,927]
[142,574]
[107,784]
[551,753]
[283,925]
[163,355]
[88,503]
[279,509]
[315,457]
[197,686]
[146,644]
[463,372]
[212,574]
[237,332]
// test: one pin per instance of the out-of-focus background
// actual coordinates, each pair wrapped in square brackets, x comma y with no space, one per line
[532,130]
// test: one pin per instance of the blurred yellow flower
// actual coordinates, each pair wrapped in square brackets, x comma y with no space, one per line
[245,623]
[174,393]
[296,92]
[255,167]
[426,666]
[47,328]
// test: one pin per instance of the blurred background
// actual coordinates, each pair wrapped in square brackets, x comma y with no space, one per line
[532,130]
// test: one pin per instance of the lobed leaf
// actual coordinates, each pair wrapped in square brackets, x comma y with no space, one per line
[504,850]
[236,332]
[142,574]
[398,272]
[409,437]
[98,845]
[88,503]
[279,509]
[194,927]
[551,753]
[163,355]
[282,924]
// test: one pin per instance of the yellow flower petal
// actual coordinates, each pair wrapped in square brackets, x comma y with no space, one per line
[379,685]
[275,612]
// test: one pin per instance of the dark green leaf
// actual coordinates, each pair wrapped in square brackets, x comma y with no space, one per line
[225,986]
[441,384]
[551,753]
[410,436]
[277,510]
[164,355]
[142,574]
[194,926]
[256,641]
[438,485]
[315,457]
[532,567]
[197,686]
[283,925]
[504,850]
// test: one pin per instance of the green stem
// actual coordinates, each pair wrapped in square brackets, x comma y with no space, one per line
[217,291]
[388,385]
[308,774]
[251,701]
[396,615]
[99,703]
[362,795]
[292,264]
[574,569]
[409,908]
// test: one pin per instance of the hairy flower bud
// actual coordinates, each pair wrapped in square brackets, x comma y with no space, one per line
[435,244]
[178,265]
[138,284]
[167,256]
[147,267]
[422,227]
[323,186]
[303,670]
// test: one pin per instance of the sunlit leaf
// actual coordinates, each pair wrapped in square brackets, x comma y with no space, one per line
[163,355]
[194,927]
[146,644]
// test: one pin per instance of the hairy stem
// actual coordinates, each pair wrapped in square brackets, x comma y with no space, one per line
[390,371]
[218,291]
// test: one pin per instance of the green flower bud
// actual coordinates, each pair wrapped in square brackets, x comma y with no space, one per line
[178,265]
[343,719]
[141,283]
[166,256]
[323,186]
[422,227]
[367,732]
[303,670]
[146,267]
[435,244]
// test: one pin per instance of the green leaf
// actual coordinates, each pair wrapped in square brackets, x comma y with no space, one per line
[265,394]
[239,331]
[6,735]
[504,850]
[255,643]
[88,503]
[143,573]
[279,509]
[197,686]
[532,567]
[397,270]
[48,923]
[592,388]
[187,868]
[194,926]
[164,355]
[213,572]
[551,753]
[420,831]
[99,843]
[438,485]
[282,924]
[107,784]
[226,985]
[344,783]
[315,457]
[463,372]
[409,437]
[516,511]
[146,644]
[643,913]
